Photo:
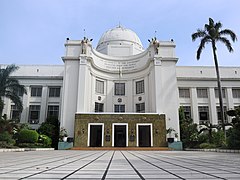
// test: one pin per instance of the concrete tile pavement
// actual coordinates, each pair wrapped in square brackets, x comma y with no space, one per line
[119,165]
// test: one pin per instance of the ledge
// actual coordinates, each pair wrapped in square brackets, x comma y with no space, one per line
[26,149]
[215,150]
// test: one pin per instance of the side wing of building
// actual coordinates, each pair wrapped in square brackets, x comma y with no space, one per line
[43,99]
[198,92]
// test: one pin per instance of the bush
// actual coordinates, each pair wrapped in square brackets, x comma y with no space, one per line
[233,139]
[203,138]
[7,137]
[207,146]
[27,136]
[51,129]
[218,138]
[4,144]
[45,140]
[30,145]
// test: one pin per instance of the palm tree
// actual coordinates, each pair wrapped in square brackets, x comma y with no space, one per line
[212,33]
[9,87]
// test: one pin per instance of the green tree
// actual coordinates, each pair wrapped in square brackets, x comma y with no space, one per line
[213,33]
[51,129]
[9,87]
[233,138]
[188,130]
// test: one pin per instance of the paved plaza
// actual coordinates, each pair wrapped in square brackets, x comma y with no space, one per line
[119,165]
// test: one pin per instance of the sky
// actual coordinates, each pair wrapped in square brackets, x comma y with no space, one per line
[34,31]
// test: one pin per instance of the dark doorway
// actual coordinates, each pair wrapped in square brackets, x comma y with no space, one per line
[119,136]
[95,135]
[144,136]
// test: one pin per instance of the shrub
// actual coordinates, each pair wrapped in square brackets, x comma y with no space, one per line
[51,129]
[46,129]
[207,146]
[233,139]
[218,138]
[30,145]
[4,144]
[188,130]
[45,140]
[27,136]
[203,138]
[7,137]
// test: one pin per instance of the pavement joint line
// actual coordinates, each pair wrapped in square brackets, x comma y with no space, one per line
[57,166]
[157,166]
[106,171]
[139,174]
[84,166]
[203,160]
[39,164]
[183,167]
[181,160]
[34,161]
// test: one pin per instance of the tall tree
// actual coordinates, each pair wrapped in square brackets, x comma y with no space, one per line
[212,33]
[9,87]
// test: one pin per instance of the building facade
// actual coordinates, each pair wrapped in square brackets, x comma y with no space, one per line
[138,90]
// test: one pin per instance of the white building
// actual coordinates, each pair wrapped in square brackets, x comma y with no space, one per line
[118,77]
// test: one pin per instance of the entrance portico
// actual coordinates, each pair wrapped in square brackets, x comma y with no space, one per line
[120,130]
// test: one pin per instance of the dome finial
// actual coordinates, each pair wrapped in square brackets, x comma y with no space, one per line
[84,33]
[119,24]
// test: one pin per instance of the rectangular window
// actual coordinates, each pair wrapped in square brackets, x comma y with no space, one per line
[217,93]
[53,111]
[34,114]
[140,108]
[119,108]
[236,92]
[202,93]
[99,87]
[119,89]
[36,91]
[187,111]
[203,114]
[140,87]
[98,107]
[184,93]
[54,92]
[19,92]
[219,114]
[15,113]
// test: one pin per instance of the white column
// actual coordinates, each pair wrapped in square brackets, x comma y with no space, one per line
[212,106]
[194,105]
[109,96]
[129,106]
[69,96]
[229,96]
[84,81]
[230,103]
[7,107]
[25,112]
[168,94]
[158,99]
[151,92]
[43,110]
[146,94]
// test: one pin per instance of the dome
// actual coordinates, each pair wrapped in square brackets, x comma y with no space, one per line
[119,36]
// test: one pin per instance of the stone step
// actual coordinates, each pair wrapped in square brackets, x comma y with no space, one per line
[122,148]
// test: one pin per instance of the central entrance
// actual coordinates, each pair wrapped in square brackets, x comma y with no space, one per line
[120,135]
